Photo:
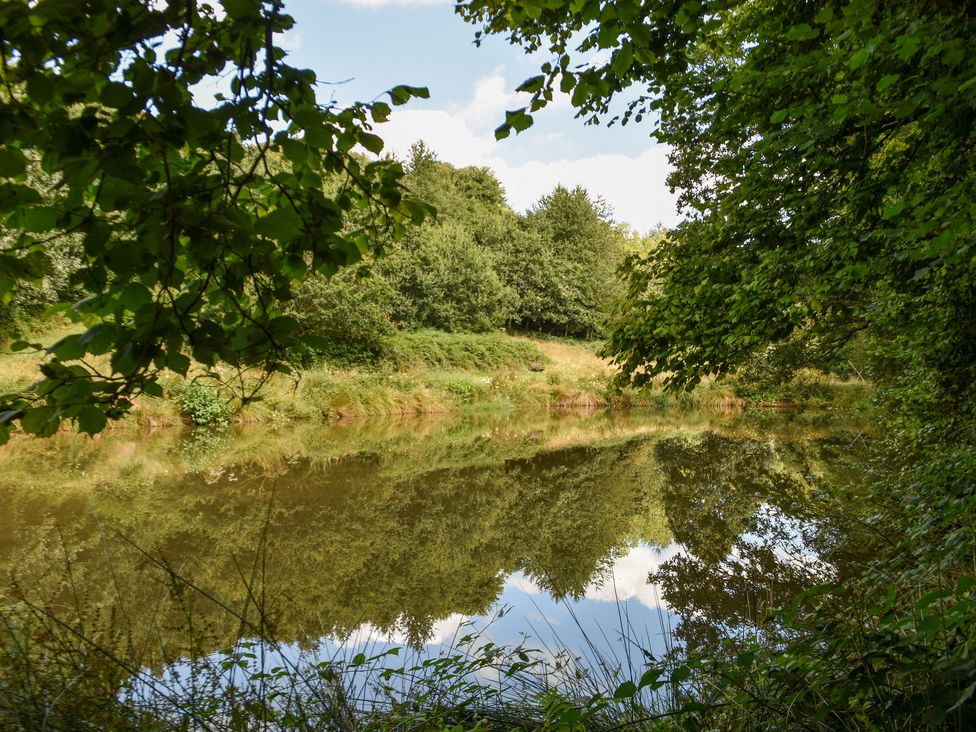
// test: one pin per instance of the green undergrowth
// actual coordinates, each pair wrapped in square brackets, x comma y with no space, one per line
[459,351]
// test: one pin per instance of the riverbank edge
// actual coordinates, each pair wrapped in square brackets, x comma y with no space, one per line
[431,372]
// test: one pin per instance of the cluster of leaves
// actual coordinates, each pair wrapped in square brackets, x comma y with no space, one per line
[204,404]
[345,318]
[191,240]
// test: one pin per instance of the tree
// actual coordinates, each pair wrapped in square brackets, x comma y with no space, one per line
[446,281]
[825,151]
[191,240]
[585,250]
[824,154]
[351,314]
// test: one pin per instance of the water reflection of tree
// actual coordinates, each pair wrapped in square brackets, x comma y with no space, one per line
[400,533]
[745,513]
[372,538]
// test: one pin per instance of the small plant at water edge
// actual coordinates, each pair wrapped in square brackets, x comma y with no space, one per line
[203,405]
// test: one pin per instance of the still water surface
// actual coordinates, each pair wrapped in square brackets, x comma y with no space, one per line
[592,532]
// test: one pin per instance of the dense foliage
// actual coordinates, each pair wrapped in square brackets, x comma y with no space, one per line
[476,267]
[482,265]
[190,238]
[348,314]
[825,154]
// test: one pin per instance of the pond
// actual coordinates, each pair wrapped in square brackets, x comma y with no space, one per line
[599,535]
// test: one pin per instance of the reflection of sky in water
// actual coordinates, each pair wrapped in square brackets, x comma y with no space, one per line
[621,605]
[786,536]
[618,618]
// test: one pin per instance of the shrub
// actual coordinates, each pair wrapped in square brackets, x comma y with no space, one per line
[350,315]
[203,404]
[447,281]
[465,388]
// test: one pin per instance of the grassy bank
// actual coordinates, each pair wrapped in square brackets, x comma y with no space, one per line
[431,372]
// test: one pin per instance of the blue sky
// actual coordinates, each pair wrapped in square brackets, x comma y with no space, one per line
[372,45]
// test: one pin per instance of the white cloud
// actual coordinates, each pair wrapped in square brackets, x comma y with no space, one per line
[633,186]
[290,40]
[462,135]
[489,102]
[519,581]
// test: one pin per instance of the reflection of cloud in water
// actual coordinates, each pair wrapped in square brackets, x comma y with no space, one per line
[626,578]
[444,632]
[519,581]
[785,536]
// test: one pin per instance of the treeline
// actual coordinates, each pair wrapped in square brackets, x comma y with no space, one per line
[478,266]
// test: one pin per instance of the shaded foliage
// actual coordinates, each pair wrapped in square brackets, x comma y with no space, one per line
[191,238]
[347,318]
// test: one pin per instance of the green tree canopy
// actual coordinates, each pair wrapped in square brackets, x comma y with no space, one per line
[446,281]
[584,249]
[191,239]
[824,152]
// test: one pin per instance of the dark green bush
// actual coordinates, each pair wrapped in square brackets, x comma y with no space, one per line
[350,316]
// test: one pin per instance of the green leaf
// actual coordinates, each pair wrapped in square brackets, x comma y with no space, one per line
[518,119]
[679,674]
[885,81]
[133,296]
[152,388]
[778,116]
[40,219]
[858,59]
[649,677]
[116,95]
[402,94]
[802,32]
[177,362]
[380,111]
[41,421]
[963,697]
[623,59]
[24,345]
[625,691]
[893,210]
[12,162]
[282,224]
[91,419]
[532,84]
[371,142]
